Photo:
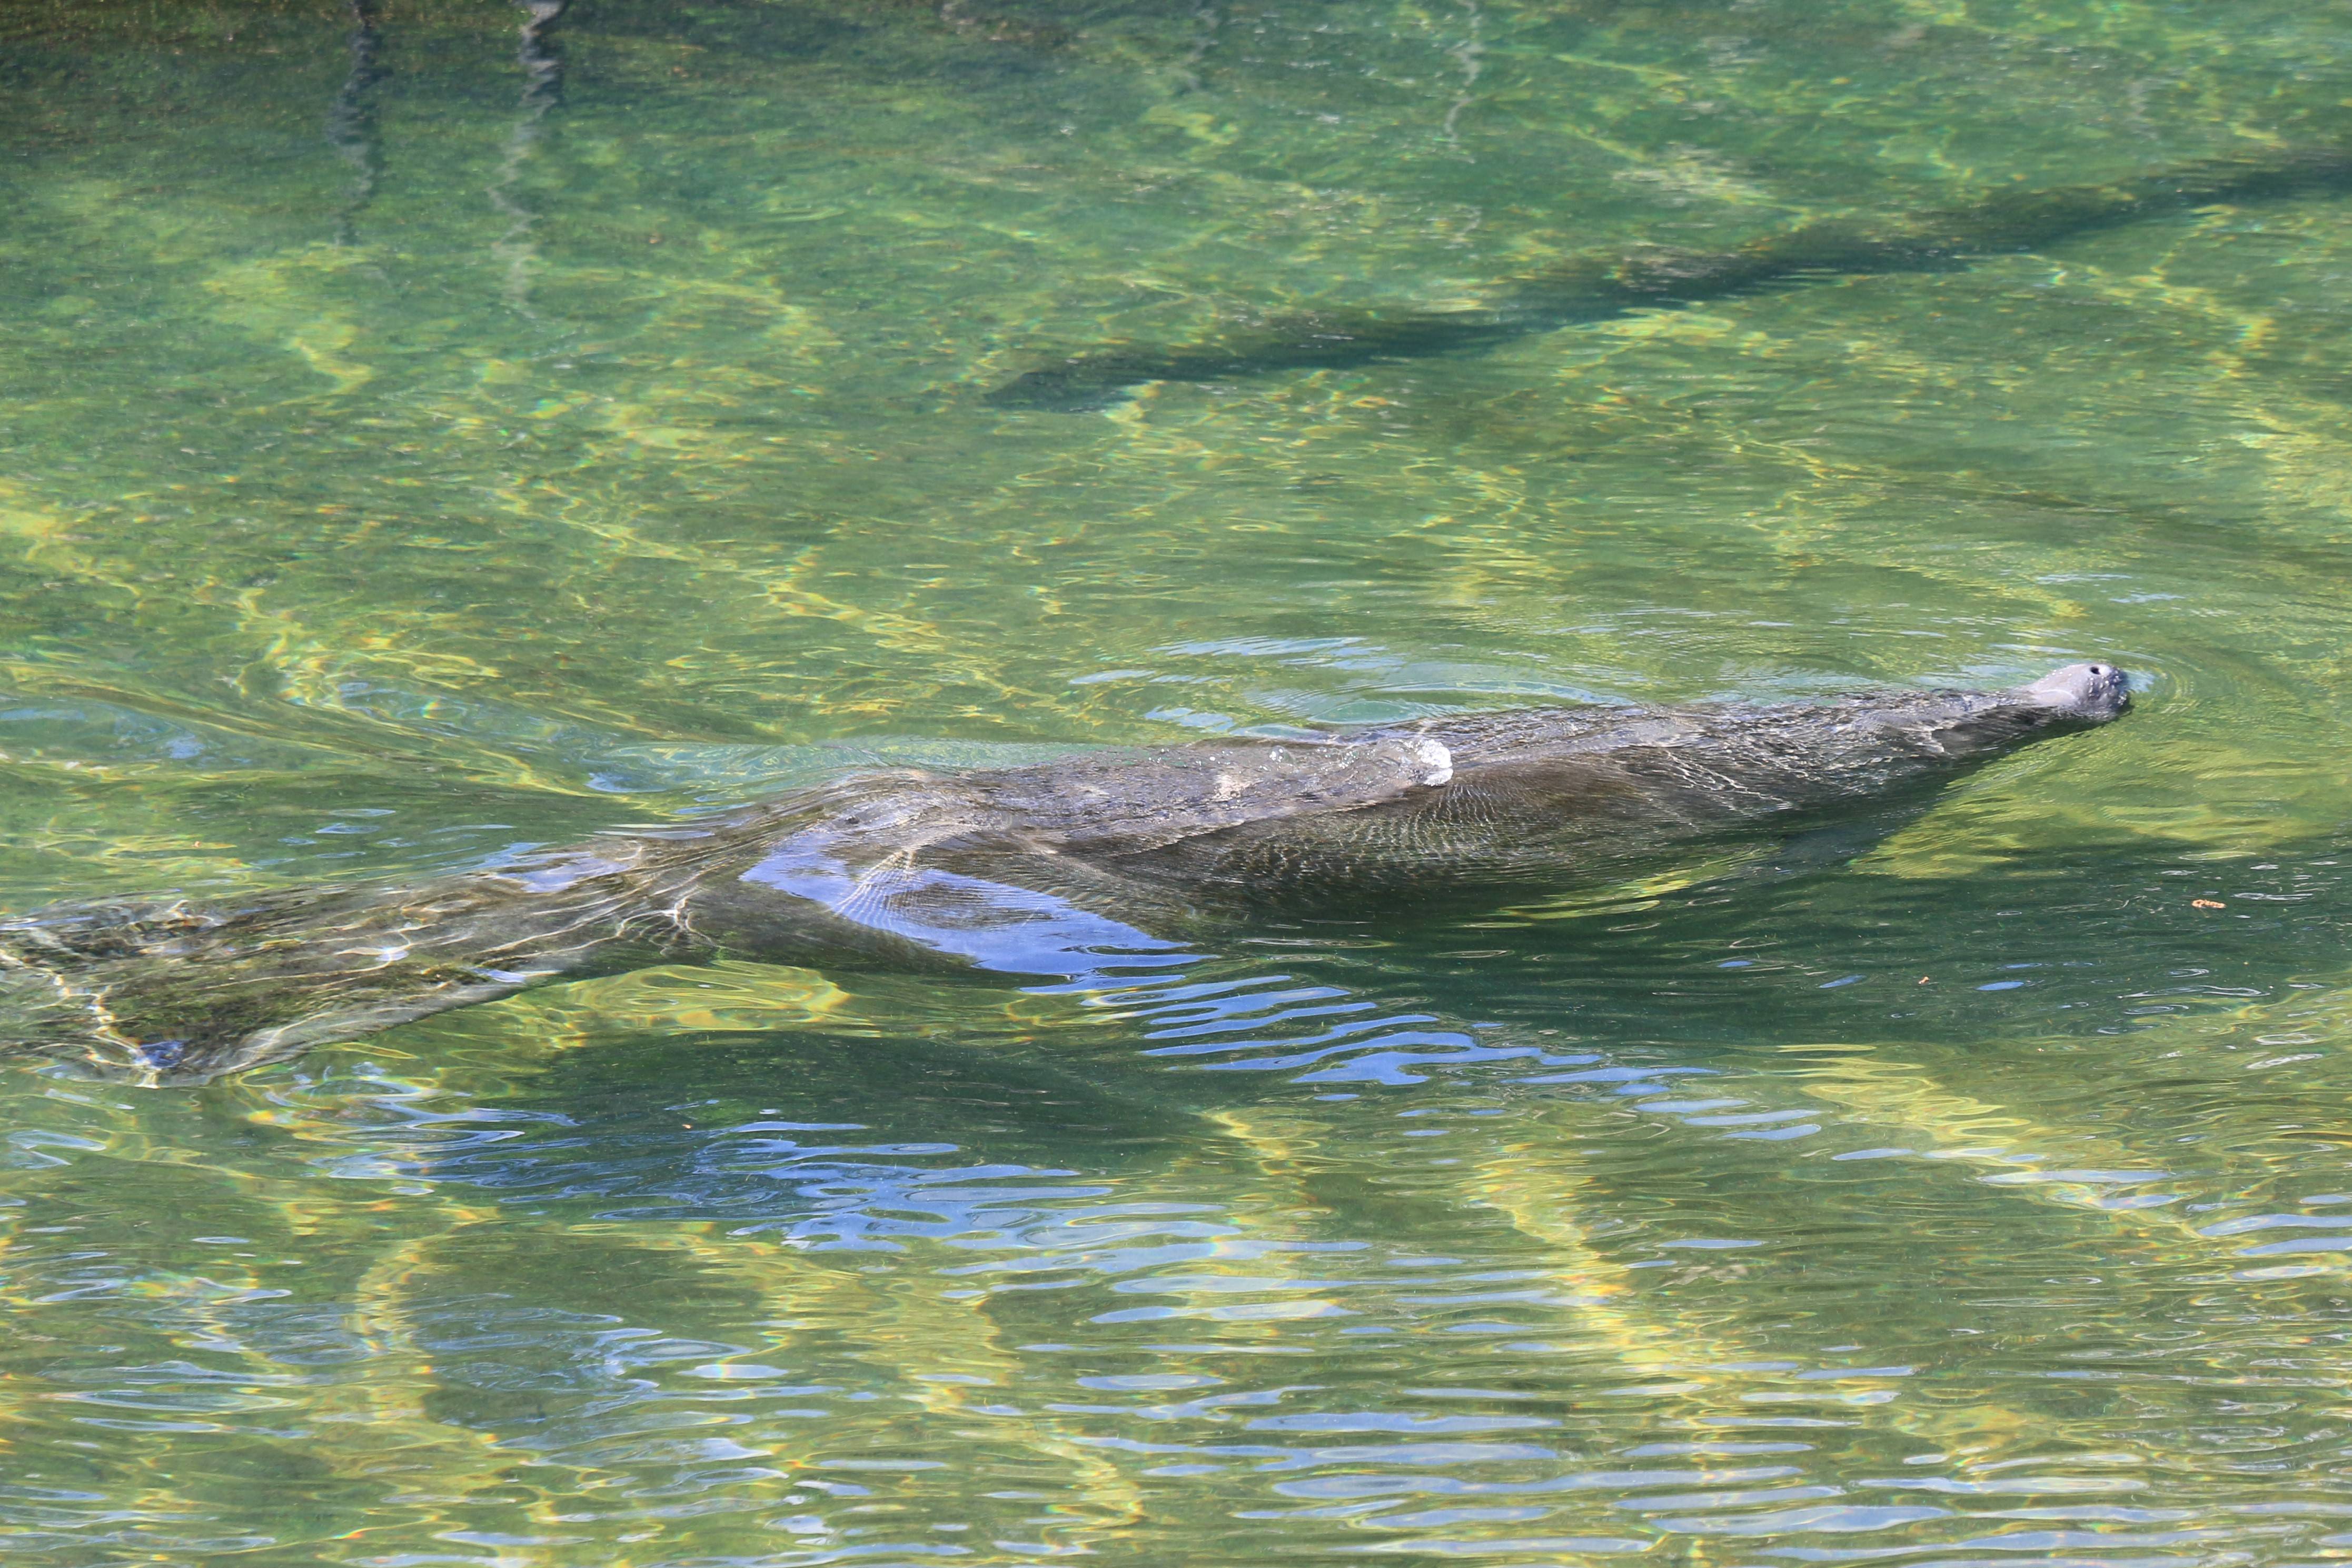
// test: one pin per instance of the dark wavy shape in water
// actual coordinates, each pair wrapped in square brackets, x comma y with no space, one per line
[351,121]
[1657,278]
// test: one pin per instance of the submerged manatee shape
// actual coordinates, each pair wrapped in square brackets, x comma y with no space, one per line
[1082,870]
[1601,288]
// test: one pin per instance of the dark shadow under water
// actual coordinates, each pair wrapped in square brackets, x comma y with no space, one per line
[352,128]
[1606,287]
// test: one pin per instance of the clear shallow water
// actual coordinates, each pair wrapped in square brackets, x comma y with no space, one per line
[414,449]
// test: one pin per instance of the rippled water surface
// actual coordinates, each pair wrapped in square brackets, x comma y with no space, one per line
[434,427]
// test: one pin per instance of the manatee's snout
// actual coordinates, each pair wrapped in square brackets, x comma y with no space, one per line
[2094,693]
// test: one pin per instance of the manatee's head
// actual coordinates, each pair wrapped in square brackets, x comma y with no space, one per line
[2087,693]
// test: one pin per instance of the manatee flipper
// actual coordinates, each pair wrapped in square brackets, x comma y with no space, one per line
[995,926]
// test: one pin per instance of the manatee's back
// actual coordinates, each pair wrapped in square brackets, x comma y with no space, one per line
[1125,803]
[1547,794]
[913,864]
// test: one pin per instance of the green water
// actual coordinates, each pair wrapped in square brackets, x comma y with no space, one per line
[417,444]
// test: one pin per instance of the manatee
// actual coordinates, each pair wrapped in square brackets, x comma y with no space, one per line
[1099,865]
[1603,288]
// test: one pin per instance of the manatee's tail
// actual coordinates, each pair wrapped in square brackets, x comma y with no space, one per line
[168,993]
[176,994]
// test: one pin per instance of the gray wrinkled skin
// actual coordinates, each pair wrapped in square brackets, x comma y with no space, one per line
[1065,868]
